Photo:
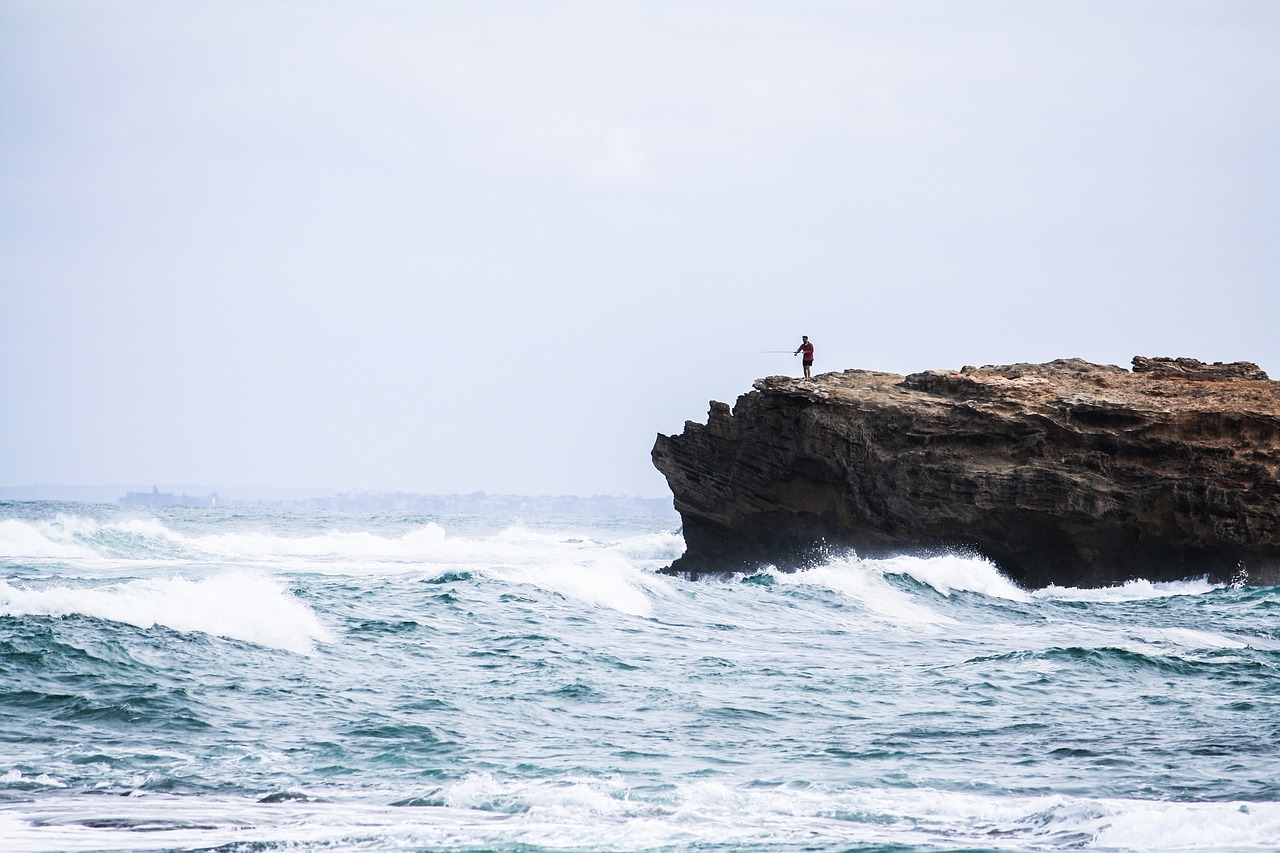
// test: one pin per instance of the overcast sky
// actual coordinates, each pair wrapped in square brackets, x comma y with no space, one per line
[453,246]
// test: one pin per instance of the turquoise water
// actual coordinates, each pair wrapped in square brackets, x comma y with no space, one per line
[261,680]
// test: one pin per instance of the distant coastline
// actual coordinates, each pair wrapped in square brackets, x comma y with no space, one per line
[474,502]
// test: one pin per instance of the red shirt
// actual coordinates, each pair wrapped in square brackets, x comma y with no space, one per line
[807,349]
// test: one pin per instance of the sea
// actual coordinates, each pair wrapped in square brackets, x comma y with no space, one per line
[261,679]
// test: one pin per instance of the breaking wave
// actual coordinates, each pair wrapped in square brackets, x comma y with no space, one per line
[236,605]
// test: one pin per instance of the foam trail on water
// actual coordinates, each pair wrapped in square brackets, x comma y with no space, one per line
[601,813]
[1191,638]
[1135,590]
[863,581]
[606,581]
[591,812]
[237,605]
[1190,826]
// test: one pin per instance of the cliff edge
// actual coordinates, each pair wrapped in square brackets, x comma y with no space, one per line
[1067,473]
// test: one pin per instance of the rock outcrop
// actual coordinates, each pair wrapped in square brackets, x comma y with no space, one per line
[1067,473]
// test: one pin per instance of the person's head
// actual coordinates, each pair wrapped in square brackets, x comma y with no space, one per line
[804,337]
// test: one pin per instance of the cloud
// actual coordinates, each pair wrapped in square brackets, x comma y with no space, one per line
[623,162]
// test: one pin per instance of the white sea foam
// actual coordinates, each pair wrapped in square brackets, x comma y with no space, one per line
[1146,825]
[238,605]
[1183,643]
[663,547]
[863,582]
[20,538]
[601,814]
[948,572]
[16,779]
[89,543]
[1136,590]
[85,541]
[603,581]
[429,543]
[420,543]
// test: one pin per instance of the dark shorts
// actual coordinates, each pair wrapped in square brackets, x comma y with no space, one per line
[808,362]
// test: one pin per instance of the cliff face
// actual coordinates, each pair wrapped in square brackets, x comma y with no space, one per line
[1066,473]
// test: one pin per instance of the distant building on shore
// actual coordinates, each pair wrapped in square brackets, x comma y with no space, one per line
[155,497]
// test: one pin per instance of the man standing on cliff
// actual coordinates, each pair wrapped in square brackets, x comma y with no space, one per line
[806,348]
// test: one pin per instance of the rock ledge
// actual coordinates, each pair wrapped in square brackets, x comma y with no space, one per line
[1067,473]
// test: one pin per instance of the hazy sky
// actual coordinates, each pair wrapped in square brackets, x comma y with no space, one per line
[452,246]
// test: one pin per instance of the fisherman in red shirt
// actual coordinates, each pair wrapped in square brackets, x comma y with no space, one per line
[807,349]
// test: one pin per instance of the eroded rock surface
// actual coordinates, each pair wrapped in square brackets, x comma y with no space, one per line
[1066,473]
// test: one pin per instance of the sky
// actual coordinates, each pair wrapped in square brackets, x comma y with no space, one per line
[443,247]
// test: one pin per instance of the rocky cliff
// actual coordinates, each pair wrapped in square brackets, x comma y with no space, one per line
[1066,473]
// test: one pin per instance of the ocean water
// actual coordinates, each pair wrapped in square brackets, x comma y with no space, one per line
[260,680]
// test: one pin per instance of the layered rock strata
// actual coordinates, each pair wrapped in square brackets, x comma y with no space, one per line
[1067,473]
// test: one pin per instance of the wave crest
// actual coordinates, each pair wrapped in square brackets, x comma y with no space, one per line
[236,605]
[86,541]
